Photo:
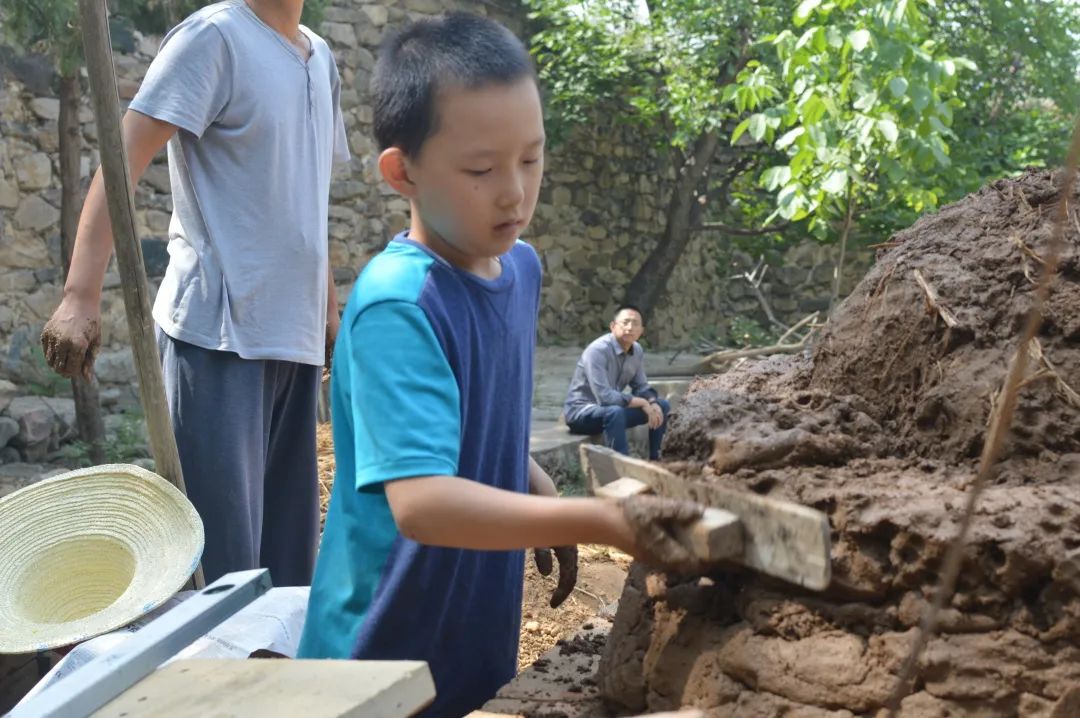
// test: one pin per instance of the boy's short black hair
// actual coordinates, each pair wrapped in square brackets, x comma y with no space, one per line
[415,63]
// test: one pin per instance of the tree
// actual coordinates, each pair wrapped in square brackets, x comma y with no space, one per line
[866,101]
[667,72]
[1018,104]
[774,116]
[52,27]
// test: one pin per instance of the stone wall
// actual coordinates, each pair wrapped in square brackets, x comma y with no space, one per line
[601,210]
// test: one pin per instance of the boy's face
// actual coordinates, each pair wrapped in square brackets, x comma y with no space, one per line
[476,180]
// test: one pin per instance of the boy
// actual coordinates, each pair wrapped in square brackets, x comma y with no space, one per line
[421,555]
[247,100]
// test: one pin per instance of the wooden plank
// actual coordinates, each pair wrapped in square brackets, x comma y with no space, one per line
[110,674]
[780,538]
[621,488]
[97,48]
[277,688]
[716,536]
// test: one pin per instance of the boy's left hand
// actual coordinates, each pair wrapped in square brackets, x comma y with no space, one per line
[567,556]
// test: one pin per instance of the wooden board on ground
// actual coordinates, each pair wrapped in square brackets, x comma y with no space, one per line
[621,488]
[269,688]
[780,538]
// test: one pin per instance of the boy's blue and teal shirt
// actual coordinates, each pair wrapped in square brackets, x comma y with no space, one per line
[432,376]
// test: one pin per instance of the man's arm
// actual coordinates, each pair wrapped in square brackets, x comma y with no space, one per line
[639,384]
[73,334]
[645,394]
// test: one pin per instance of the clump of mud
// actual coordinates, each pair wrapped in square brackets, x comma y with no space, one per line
[880,427]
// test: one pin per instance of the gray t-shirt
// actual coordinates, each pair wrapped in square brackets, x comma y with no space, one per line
[250,168]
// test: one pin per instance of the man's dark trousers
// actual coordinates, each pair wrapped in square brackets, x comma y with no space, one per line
[613,421]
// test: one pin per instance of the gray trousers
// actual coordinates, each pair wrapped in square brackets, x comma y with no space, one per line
[245,431]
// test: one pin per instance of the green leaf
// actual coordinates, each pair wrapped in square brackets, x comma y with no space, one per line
[835,182]
[939,126]
[789,201]
[940,156]
[804,11]
[758,125]
[865,101]
[813,109]
[789,137]
[859,40]
[739,130]
[807,38]
[965,64]
[888,130]
[775,177]
[920,97]
[898,86]
[835,37]
[801,161]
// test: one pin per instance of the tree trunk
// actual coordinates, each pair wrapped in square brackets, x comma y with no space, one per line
[648,285]
[87,402]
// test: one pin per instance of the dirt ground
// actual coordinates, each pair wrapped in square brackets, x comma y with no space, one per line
[880,426]
[601,574]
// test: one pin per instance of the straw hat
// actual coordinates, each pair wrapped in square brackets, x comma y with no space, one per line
[89,551]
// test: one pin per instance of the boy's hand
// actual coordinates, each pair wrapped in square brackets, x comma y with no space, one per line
[72,337]
[651,522]
[567,556]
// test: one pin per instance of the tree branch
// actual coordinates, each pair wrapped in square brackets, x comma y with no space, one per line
[742,231]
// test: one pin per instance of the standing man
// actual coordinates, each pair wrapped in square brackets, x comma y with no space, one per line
[596,401]
[247,100]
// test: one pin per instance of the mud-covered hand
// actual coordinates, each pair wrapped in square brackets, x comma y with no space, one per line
[567,557]
[652,522]
[333,322]
[72,337]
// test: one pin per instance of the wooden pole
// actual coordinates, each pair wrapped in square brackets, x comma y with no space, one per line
[97,47]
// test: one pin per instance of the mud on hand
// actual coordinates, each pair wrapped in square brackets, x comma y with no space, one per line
[70,342]
[653,521]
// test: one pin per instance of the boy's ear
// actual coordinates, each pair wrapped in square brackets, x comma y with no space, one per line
[394,167]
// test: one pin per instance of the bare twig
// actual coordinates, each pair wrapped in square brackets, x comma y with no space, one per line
[797,326]
[839,276]
[743,231]
[754,279]
[933,301]
[1024,199]
[1019,242]
[1048,369]
[717,360]
[593,596]
[1000,419]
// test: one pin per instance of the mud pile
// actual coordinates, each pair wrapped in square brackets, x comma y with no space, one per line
[880,426]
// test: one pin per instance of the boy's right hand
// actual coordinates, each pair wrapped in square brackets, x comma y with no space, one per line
[650,523]
[72,337]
